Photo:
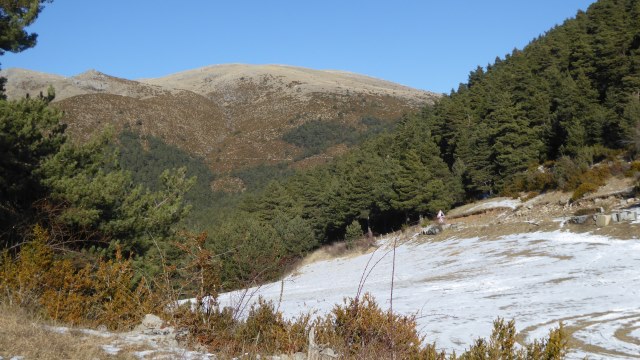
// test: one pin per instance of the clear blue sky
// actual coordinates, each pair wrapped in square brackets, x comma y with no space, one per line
[426,44]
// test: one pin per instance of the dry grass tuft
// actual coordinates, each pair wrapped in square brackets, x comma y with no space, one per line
[23,334]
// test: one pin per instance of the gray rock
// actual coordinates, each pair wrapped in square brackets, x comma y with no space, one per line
[151,325]
[296,356]
[615,217]
[319,352]
[328,353]
[432,230]
[628,216]
[579,219]
[603,220]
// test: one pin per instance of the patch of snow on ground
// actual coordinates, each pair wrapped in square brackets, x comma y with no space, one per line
[111,349]
[57,329]
[504,203]
[637,217]
[562,220]
[160,345]
[457,287]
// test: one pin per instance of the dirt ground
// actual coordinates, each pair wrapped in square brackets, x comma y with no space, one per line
[550,211]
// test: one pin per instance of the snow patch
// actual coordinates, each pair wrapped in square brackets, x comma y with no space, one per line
[496,204]
[457,287]
[111,349]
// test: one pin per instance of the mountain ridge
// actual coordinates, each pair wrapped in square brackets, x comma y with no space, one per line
[231,115]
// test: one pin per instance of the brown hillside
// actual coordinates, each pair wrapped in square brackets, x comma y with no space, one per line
[232,115]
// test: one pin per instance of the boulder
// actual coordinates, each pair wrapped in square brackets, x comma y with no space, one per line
[319,352]
[431,230]
[616,217]
[628,216]
[579,219]
[151,324]
[603,220]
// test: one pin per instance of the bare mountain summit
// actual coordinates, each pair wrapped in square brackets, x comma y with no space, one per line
[231,115]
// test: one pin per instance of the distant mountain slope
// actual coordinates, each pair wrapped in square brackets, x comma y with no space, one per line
[21,82]
[231,115]
[290,80]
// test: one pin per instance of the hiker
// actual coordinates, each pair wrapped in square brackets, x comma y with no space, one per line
[440,217]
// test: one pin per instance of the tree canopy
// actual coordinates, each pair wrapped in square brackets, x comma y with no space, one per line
[15,16]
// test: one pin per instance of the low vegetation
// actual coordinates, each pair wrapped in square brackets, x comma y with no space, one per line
[104,294]
[24,334]
[314,137]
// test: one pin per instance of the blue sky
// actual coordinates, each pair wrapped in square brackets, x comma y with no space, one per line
[426,44]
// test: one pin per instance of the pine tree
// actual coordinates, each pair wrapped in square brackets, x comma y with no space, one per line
[15,16]
[30,133]
[516,144]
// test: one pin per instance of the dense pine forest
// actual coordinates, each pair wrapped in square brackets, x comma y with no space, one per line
[535,120]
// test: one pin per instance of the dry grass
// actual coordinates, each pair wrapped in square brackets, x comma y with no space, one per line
[24,334]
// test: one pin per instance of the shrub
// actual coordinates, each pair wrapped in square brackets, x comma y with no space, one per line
[583,189]
[535,179]
[21,278]
[501,345]
[360,329]
[590,181]
[100,293]
[567,173]
[353,232]
[586,211]
[269,333]
[264,331]
[634,168]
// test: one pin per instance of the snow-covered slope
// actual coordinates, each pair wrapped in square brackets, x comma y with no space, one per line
[457,287]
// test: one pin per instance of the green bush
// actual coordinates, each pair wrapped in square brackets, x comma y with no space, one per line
[353,233]
[586,211]
[567,173]
[501,345]
[583,189]
[634,168]
[535,179]
[361,329]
